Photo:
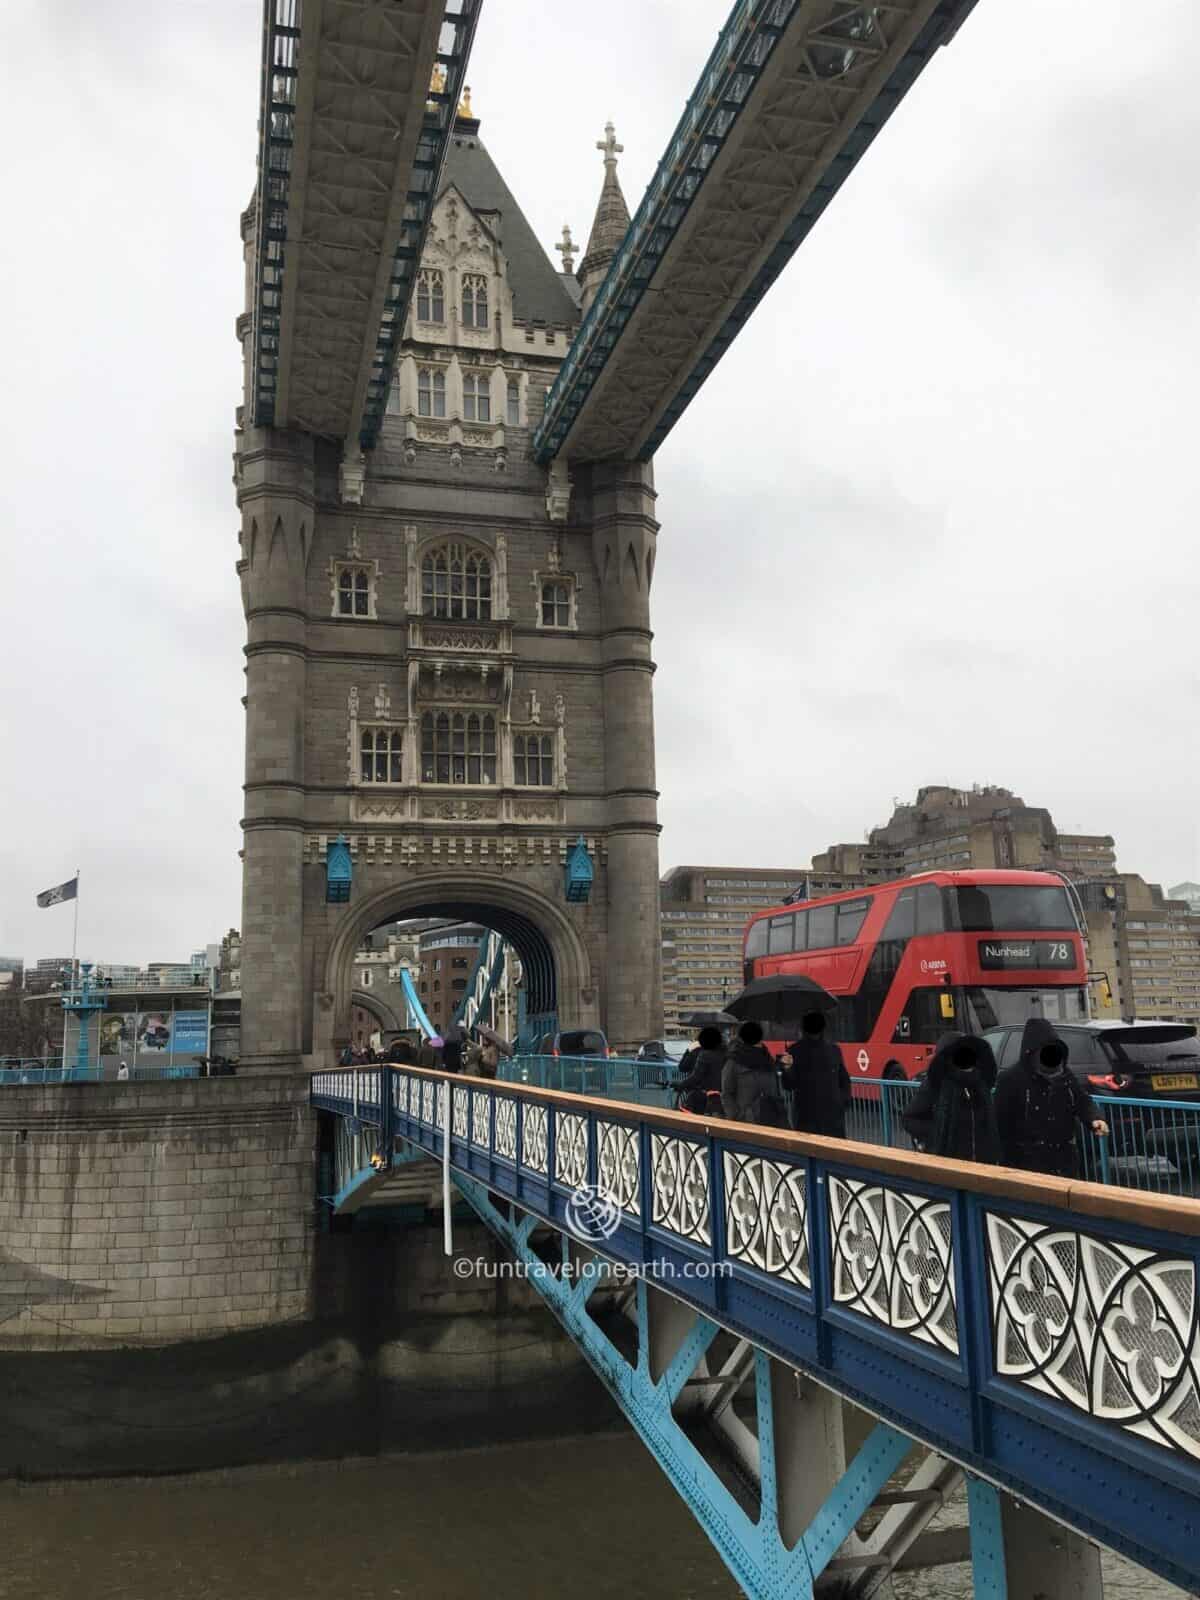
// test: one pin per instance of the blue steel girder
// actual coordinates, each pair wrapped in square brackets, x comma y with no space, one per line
[481,985]
[1043,1334]
[787,104]
[351,145]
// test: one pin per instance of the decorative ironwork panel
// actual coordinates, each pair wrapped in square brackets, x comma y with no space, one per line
[481,1100]
[766,1216]
[427,1102]
[460,1112]
[443,1095]
[680,1198]
[893,1259]
[533,1137]
[506,1127]
[570,1149]
[619,1165]
[1108,1328]
[408,1095]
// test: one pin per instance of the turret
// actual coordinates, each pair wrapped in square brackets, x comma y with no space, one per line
[610,225]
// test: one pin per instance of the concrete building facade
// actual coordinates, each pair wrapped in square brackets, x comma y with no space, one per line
[448,659]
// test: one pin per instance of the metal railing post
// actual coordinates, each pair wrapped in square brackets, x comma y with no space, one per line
[885,1095]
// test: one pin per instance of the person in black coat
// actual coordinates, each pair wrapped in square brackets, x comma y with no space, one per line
[454,1041]
[952,1113]
[1040,1104]
[749,1081]
[705,1065]
[816,1075]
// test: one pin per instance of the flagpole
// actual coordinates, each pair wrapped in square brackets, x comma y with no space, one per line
[75,935]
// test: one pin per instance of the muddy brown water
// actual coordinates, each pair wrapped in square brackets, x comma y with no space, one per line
[591,1517]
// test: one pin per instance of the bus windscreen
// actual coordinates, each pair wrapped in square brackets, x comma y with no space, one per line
[1011,908]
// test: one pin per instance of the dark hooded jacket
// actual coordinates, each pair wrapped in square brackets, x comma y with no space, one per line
[952,1113]
[704,1072]
[1039,1110]
[819,1085]
[454,1042]
[748,1080]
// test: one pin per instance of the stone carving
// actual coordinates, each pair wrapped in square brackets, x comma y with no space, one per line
[383,703]
[459,810]
[558,490]
[535,708]
[679,1197]
[766,1216]
[536,811]
[1105,1327]
[560,710]
[893,1259]
[454,639]
[354,545]
[352,700]
[352,478]
[618,1165]
[554,559]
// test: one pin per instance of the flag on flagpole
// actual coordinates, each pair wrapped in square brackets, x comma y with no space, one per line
[61,892]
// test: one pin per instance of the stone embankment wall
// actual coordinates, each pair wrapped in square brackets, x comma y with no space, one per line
[168,1304]
[147,1211]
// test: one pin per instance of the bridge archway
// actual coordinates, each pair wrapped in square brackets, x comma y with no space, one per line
[558,975]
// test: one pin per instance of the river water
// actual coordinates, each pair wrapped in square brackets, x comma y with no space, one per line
[590,1517]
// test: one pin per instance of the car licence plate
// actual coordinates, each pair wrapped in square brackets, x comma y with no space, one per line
[1174,1080]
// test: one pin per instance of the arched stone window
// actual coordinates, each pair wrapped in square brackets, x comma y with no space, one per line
[431,297]
[431,392]
[533,760]
[458,747]
[474,300]
[353,591]
[513,403]
[477,397]
[456,583]
[381,750]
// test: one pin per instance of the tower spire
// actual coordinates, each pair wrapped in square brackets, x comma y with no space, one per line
[610,223]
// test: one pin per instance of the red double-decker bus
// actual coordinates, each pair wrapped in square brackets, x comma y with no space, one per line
[914,959]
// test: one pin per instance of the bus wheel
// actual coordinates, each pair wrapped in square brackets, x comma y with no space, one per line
[894,1072]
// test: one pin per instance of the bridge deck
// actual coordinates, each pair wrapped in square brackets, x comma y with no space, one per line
[1039,1332]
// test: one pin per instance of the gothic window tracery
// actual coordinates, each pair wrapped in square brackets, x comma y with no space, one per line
[477,397]
[533,760]
[558,604]
[381,752]
[474,300]
[431,297]
[353,591]
[513,403]
[431,392]
[458,747]
[456,583]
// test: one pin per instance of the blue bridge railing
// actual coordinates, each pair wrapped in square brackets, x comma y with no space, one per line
[1044,1333]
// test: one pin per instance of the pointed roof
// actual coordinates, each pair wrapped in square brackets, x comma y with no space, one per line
[611,222]
[538,291]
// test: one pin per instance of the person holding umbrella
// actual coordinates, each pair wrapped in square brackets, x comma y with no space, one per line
[816,1075]
[705,1065]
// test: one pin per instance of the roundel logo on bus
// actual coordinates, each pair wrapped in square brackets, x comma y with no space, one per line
[862,1060]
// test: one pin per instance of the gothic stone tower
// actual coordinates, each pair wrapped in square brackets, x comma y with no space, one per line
[448,657]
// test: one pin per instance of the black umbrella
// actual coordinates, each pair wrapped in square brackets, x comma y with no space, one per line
[490,1036]
[784,998]
[710,1019]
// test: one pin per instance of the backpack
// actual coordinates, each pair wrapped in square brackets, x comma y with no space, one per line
[767,1110]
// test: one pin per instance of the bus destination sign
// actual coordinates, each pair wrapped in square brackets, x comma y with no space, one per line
[999,954]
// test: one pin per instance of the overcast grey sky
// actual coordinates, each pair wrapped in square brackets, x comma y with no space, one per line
[933,518]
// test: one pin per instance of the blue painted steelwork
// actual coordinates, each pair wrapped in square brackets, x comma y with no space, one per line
[415,1008]
[753,1550]
[339,871]
[724,95]
[989,1573]
[963,1313]
[579,873]
[460,19]
[84,1003]
[485,978]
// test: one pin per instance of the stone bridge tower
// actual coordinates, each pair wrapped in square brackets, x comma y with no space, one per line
[448,655]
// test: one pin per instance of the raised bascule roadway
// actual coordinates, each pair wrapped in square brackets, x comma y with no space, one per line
[444,469]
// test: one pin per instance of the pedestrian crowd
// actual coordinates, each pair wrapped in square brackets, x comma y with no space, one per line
[474,1053]
[1028,1116]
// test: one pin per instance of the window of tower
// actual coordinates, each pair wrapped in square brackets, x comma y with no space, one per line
[458,747]
[431,392]
[477,398]
[474,300]
[533,760]
[456,584]
[431,299]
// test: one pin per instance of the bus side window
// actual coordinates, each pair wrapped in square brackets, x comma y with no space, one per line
[800,939]
[851,915]
[921,1021]
[756,940]
[929,909]
[902,919]
[821,927]
[779,942]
